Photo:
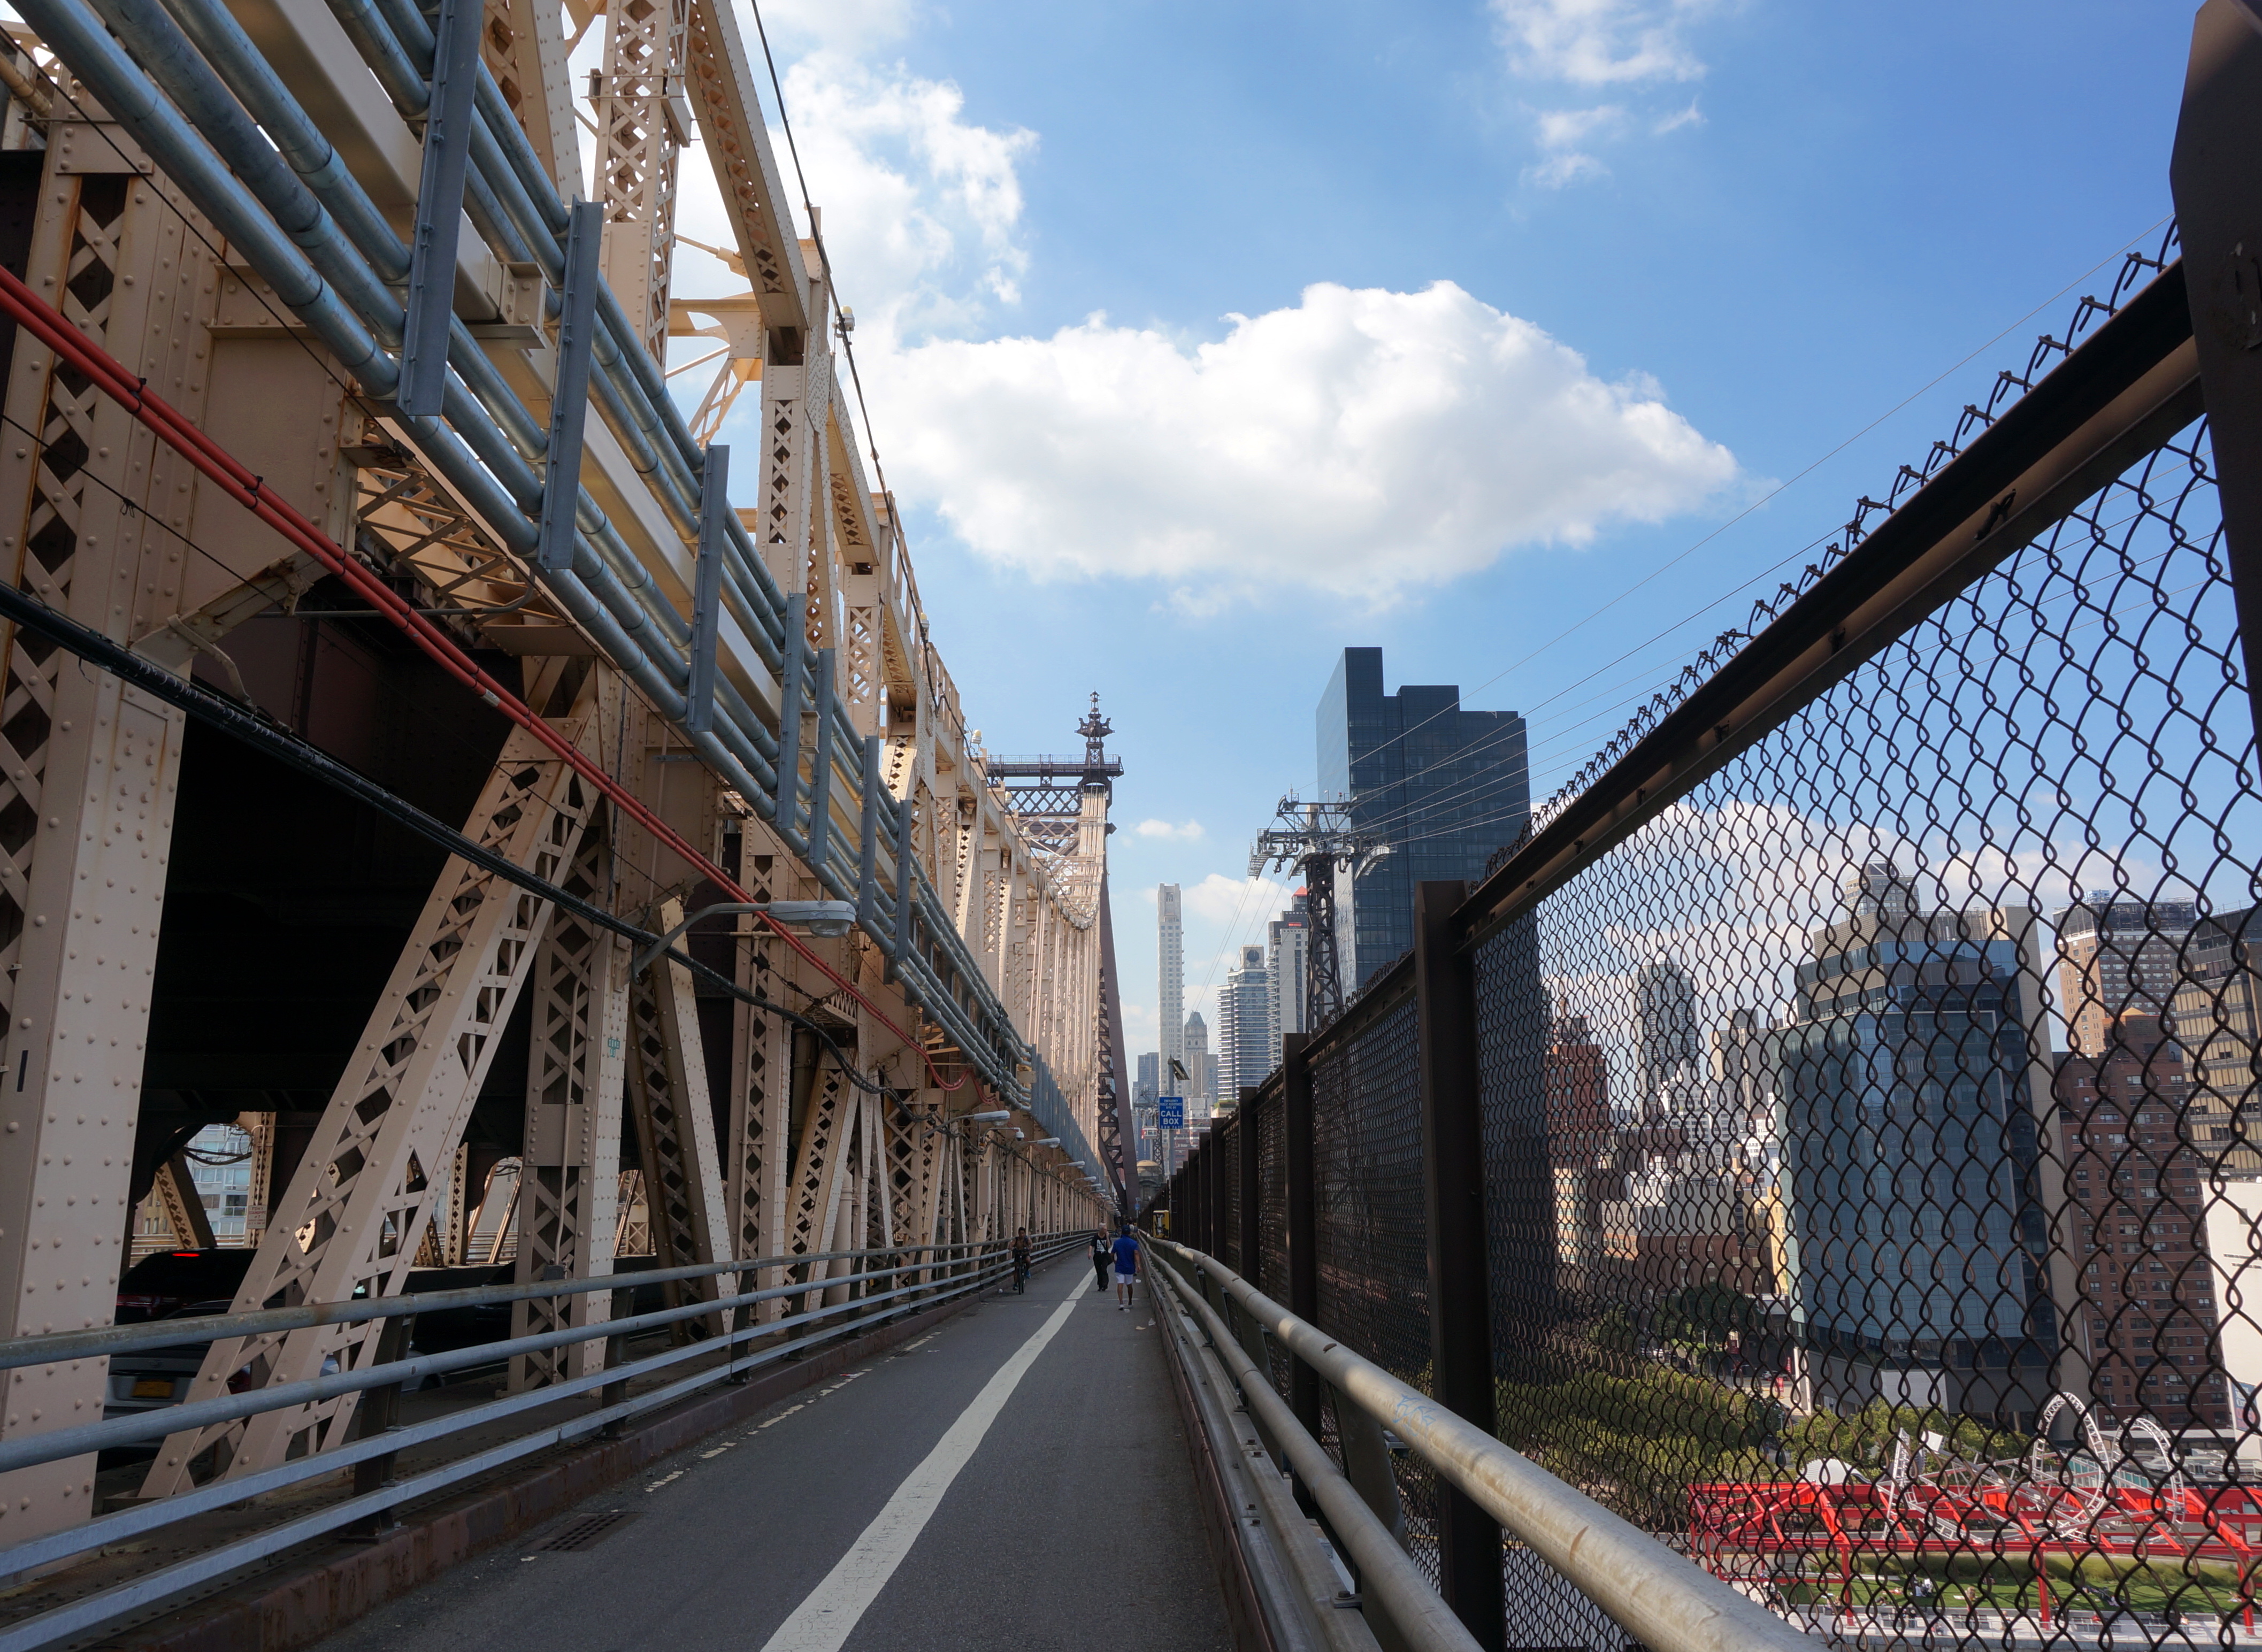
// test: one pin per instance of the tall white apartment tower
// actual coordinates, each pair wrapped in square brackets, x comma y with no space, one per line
[1171,990]
[1201,1068]
[1286,943]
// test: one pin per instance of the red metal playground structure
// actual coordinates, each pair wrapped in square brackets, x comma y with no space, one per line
[2089,1519]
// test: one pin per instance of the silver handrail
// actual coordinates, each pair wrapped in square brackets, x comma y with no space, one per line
[1664,1600]
[55,1345]
[28,1450]
[1424,1622]
[155,1589]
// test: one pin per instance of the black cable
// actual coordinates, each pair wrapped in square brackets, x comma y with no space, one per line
[133,508]
[254,727]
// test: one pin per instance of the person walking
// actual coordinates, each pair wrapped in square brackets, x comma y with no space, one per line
[1125,1249]
[1101,1257]
[1020,1252]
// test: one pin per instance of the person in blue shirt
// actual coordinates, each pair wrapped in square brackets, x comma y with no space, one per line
[1127,1268]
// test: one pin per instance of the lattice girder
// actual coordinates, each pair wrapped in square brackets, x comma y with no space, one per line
[359,1204]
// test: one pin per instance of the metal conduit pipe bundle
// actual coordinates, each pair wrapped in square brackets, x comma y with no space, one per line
[310,231]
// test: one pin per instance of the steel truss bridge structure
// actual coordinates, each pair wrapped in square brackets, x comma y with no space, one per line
[587,895]
[388,671]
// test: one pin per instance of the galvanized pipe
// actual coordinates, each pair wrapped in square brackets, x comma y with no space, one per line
[502,155]
[149,1517]
[359,275]
[1667,1602]
[107,1342]
[1386,1572]
[126,94]
[380,47]
[228,49]
[642,412]
[25,1451]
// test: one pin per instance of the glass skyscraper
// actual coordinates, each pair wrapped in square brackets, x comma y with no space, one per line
[1911,1081]
[1443,787]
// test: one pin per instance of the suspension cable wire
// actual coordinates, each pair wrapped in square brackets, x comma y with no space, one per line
[817,234]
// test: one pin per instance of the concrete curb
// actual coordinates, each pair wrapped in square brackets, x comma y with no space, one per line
[321,1592]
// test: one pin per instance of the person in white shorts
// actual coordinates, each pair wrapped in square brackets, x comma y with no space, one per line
[1127,1268]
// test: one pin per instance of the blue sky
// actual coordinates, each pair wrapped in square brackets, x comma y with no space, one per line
[1203,342]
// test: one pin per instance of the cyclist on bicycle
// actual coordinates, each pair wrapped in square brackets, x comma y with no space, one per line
[1020,1251]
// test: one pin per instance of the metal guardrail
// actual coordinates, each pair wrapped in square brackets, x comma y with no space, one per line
[165,1333]
[1391,1584]
[1664,1601]
[615,1407]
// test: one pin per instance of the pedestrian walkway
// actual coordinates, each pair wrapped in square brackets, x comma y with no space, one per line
[1016,1478]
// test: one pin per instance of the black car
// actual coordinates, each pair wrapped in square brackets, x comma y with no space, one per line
[160,1285]
[445,1330]
[169,1285]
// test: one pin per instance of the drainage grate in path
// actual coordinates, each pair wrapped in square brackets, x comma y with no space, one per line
[588,1531]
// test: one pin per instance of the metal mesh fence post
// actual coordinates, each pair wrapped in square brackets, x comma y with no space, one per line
[1453,1199]
[1225,1139]
[2218,180]
[1248,1198]
[1831,1136]
[1302,1238]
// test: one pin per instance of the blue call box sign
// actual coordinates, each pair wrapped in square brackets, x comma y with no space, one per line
[1171,1112]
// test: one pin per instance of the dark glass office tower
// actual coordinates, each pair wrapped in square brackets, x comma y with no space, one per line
[1443,786]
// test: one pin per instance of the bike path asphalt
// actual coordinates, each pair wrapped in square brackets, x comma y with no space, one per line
[1072,1523]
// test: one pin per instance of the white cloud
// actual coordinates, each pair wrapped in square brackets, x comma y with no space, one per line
[1222,914]
[1361,442]
[1190,831]
[1141,1024]
[922,208]
[1562,132]
[1561,171]
[1567,128]
[1627,45]
[1602,42]
[838,24]
[1229,905]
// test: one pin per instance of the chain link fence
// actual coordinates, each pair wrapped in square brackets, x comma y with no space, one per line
[1872,1155]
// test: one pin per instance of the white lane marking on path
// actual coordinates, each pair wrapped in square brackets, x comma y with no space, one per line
[664,1479]
[824,1621]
